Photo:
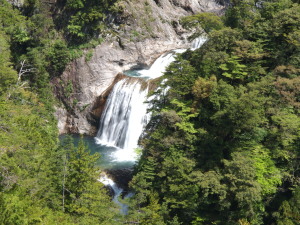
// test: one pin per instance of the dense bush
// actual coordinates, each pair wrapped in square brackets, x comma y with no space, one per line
[222,146]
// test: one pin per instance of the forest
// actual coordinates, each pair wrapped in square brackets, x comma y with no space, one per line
[222,145]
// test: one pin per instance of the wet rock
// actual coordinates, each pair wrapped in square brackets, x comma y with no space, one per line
[122,177]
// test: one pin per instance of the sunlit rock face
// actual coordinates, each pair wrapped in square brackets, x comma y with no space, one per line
[144,31]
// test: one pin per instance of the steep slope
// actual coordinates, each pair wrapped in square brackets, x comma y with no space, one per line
[142,32]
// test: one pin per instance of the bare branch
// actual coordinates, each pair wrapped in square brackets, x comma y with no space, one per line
[23,70]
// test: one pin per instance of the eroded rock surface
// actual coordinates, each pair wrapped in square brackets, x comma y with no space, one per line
[145,30]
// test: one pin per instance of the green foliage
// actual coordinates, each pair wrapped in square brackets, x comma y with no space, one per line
[203,88]
[181,74]
[7,75]
[83,195]
[33,166]
[75,4]
[289,212]
[27,133]
[206,21]
[58,56]
[271,8]
[268,176]
[244,191]
[233,69]
[222,146]
[241,13]
[13,23]
[69,89]
[225,136]
[88,56]
[84,20]
[185,125]
[41,182]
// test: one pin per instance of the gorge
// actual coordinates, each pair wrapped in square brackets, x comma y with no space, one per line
[149,30]
[124,118]
[96,128]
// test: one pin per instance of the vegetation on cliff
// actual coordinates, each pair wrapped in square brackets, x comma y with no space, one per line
[42,180]
[222,146]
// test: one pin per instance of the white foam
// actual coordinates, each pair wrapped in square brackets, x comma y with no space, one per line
[158,68]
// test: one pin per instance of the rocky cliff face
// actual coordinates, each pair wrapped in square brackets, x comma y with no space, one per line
[145,30]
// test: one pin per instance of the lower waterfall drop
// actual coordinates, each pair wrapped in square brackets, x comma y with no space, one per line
[124,118]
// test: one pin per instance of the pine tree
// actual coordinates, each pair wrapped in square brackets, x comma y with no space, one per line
[83,196]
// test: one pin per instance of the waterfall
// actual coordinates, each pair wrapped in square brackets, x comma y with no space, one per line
[124,117]
[125,114]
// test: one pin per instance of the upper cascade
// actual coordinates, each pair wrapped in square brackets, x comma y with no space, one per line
[158,68]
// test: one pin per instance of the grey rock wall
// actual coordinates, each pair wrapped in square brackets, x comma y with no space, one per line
[145,30]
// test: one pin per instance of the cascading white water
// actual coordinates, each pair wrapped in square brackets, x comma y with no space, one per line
[117,192]
[198,42]
[123,119]
[109,182]
[159,66]
[125,115]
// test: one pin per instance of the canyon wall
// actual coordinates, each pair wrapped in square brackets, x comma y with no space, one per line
[141,33]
